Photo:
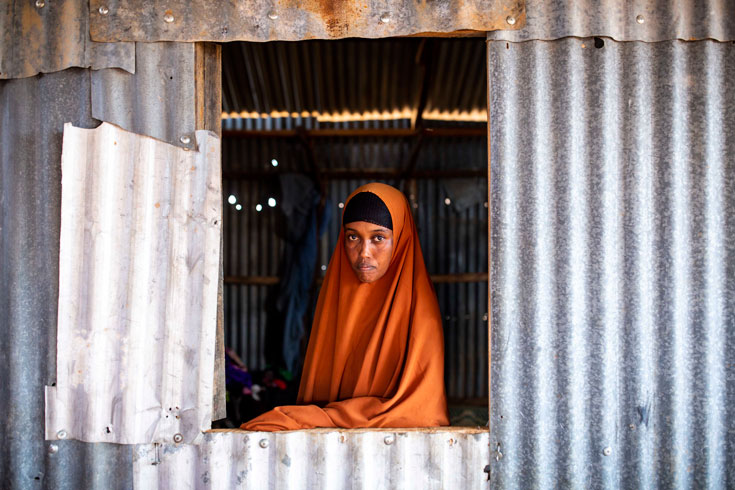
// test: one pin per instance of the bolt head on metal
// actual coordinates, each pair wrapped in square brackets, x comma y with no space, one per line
[510,20]
[263,443]
[272,15]
[40,4]
[640,19]
[185,140]
[178,438]
[168,18]
[385,18]
[53,449]
[62,434]
[607,451]
[389,439]
[104,10]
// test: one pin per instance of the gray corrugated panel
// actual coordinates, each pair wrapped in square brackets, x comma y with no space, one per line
[263,20]
[32,114]
[443,458]
[139,262]
[637,20]
[613,264]
[47,36]
[353,77]
[157,101]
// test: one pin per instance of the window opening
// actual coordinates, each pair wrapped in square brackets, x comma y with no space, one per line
[324,117]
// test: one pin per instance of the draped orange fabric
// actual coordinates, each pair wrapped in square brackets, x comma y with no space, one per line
[376,351]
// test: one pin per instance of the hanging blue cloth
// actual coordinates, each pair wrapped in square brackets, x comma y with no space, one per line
[300,206]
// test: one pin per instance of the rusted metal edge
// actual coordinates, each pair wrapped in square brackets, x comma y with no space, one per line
[262,20]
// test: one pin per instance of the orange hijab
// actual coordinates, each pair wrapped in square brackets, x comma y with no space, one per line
[376,350]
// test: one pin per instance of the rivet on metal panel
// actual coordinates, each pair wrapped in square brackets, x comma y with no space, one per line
[389,439]
[40,4]
[53,449]
[640,19]
[484,317]
[607,451]
[263,443]
[185,139]
[168,17]
[62,434]
[104,10]
[510,20]
[385,18]
[631,426]
[342,438]
[178,438]
[451,442]
[272,15]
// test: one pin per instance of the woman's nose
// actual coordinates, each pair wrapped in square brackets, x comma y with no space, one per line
[365,250]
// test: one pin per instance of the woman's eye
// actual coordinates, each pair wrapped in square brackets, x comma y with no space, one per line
[379,238]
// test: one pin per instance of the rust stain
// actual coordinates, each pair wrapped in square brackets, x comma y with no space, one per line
[158,204]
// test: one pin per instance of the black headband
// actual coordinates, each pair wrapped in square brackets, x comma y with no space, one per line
[366,206]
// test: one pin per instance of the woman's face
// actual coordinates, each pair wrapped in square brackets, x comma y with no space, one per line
[369,248]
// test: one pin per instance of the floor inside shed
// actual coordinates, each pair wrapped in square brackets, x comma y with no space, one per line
[321,118]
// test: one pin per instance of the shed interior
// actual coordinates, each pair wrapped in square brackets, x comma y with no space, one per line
[304,124]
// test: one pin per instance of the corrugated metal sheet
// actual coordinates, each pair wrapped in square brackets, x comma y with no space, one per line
[264,20]
[164,77]
[613,264]
[354,77]
[453,238]
[32,114]
[321,458]
[139,255]
[50,35]
[637,20]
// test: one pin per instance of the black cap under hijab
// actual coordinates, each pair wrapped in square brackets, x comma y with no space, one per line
[366,206]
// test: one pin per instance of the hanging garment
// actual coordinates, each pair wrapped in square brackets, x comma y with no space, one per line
[376,351]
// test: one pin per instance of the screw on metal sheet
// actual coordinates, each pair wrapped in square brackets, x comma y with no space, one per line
[389,439]
[272,15]
[168,17]
[640,19]
[385,18]
[263,443]
[498,453]
[607,451]
[40,4]
[53,449]
[178,438]
[631,426]
[185,139]
[510,20]
[62,434]
[104,10]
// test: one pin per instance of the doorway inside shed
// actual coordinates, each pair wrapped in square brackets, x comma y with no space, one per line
[306,123]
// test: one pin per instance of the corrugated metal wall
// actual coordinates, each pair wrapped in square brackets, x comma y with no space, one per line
[613,264]
[453,239]
[34,111]
[32,114]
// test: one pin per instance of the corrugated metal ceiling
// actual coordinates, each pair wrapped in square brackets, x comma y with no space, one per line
[355,78]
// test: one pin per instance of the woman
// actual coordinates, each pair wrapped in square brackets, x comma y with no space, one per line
[376,352]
